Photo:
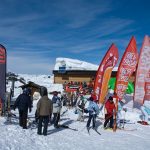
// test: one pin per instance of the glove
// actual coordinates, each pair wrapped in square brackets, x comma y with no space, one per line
[30,109]
[86,111]
[125,109]
[14,108]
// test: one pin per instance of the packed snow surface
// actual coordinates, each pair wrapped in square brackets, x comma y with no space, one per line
[12,137]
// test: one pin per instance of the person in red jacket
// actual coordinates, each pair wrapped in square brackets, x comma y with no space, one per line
[110,109]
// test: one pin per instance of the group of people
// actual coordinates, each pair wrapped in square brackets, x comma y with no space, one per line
[44,111]
[46,108]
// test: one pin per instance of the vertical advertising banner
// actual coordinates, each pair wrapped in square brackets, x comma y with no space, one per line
[126,67]
[104,73]
[142,70]
[147,87]
[2,72]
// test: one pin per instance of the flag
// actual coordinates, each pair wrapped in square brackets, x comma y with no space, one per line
[2,72]
[147,87]
[142,70]
[126,67]
[104,73]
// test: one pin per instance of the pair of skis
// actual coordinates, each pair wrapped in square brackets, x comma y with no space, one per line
[67,127]
[88,129]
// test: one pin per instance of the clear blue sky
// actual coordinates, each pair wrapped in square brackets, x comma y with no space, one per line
[36,32]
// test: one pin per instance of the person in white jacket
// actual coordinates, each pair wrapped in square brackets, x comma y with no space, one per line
[57,105]
[121,112]
[146,111]
[80,107]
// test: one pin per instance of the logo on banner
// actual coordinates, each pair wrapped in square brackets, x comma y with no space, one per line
[130,59]
[2,56]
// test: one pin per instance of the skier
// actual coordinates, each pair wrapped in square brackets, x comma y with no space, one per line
[23,103]
[80,107]
[121,109]
[93,110]
[110,109]
[64,98]
[146,112]
[57,105]
[44,109]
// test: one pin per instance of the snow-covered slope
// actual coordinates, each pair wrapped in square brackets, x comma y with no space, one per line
[13,137]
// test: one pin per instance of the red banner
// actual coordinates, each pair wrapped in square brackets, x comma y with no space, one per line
[126,67]
[2,55]
[104,73]
[147,87]
[142,71]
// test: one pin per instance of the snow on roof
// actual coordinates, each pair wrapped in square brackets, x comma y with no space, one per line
[75,64]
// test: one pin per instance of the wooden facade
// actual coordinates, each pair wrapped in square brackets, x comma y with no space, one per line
[79,76]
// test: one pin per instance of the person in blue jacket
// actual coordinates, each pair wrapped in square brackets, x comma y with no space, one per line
[93,111]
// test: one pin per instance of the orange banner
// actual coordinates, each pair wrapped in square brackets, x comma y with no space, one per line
[126,67]
[142,70]
[104,73]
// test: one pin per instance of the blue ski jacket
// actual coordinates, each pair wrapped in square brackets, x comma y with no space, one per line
[93,108]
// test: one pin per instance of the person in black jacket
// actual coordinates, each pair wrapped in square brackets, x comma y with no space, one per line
[23,103]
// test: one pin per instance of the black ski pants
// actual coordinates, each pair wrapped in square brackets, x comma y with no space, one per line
[108,118]
[93,118]
[56,119]
[23,114]
[43,120]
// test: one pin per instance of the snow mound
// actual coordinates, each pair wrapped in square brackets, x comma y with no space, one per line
[74,64]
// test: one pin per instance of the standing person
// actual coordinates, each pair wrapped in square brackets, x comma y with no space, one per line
[23,103]
[110,109]
[146,112]
[44,109]
[121,110]
[80,107]
[56,108]
[64,99]
[93,110]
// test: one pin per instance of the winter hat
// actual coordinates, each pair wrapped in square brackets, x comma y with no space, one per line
[55,93]
[43,91]
[25,91]
[94,97]
[110,98]
[91,98]
[29,91]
